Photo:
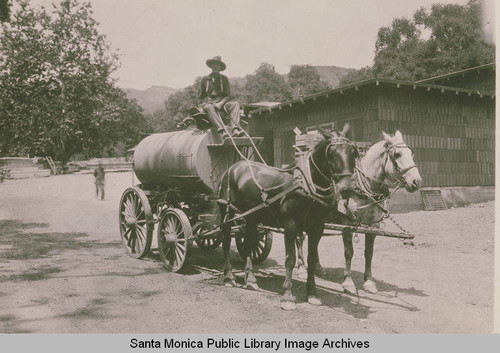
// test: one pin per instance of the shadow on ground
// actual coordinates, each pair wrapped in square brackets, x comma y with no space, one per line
[337,275]
[272,282]
[24,241]
[27,241]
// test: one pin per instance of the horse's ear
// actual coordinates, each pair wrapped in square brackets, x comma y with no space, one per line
[333,126]
[323,132]
[398,135]
[346,128]
[387,137]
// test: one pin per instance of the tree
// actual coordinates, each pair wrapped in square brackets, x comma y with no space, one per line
[305,80]
[444,39]
[457,40]
[266,85]
[4,10]
[365,73]
[57,97]
[395,50]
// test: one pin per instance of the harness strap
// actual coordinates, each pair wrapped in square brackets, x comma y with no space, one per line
[310,191]
[304,168]
[253,209]
[376,198]
[311,158]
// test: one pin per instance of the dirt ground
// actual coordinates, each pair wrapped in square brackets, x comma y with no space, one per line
[63,269]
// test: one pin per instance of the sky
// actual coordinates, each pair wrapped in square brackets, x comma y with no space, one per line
[166,42]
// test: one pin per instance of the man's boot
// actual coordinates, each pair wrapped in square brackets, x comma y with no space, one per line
[223,134]
[237,132]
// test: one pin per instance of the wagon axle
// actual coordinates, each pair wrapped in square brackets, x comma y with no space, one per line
[130,221]
[170,239]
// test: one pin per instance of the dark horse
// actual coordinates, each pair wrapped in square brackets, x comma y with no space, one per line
[296,201]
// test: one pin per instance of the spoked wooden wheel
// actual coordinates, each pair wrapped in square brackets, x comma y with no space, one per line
[262,248]
[136,222]
[174,235]
[210,242]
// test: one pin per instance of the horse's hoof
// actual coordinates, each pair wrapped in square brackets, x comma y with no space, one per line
[288,306]
[370,287]
[251,286]
[313,300]
[230,283]
[349,286]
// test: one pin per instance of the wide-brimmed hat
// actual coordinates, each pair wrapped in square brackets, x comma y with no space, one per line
[216,61]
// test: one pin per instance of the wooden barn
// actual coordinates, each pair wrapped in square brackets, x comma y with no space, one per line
[449,121]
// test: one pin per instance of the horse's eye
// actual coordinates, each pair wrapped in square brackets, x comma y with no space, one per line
[397,155]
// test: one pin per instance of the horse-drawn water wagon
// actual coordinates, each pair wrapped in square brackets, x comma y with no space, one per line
[179,173]
[197,187]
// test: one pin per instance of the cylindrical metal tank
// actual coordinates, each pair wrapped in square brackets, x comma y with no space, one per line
[172,159]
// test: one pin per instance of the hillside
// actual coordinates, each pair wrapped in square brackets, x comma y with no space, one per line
[332,74]
[151,99]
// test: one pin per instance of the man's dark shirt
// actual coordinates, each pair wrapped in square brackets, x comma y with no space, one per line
[215,86]
[99,175]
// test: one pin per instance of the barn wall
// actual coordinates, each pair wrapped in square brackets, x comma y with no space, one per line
[262,126]
[453,136]
[353,106]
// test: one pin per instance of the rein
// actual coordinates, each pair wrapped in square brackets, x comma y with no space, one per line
[335,141]
[312,187]
[308,185]
[365,188]
[400,172]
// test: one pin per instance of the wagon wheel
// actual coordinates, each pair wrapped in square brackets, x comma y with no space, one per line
[174,236]
[136,222]
[209,242]
[262,248]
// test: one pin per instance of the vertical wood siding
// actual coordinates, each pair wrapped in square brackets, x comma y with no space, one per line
[452,136]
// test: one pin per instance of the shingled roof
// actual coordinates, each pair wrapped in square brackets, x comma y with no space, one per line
[372,82]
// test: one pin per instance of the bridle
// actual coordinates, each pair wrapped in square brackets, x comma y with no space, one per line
[400,173]
[378,197]
[334,141]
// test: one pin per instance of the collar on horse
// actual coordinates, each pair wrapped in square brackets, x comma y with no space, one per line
[303,174]
[377,190]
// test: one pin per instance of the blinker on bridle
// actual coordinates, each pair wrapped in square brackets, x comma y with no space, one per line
[334,141]
[400,172]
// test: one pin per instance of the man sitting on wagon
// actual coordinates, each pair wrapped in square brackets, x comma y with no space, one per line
[215,95]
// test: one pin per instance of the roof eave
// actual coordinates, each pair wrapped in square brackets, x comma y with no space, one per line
[456,73]
[356,86]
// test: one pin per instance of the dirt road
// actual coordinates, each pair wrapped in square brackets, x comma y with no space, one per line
[63,269]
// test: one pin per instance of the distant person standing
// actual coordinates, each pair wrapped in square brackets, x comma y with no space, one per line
[99,181]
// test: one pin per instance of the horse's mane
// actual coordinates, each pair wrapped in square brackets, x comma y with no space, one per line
[378,149]
[375,151]
[320,144]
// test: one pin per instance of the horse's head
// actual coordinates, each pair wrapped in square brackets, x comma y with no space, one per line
[399,165]
[340,158]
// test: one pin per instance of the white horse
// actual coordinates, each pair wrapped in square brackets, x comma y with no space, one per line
[388,160]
